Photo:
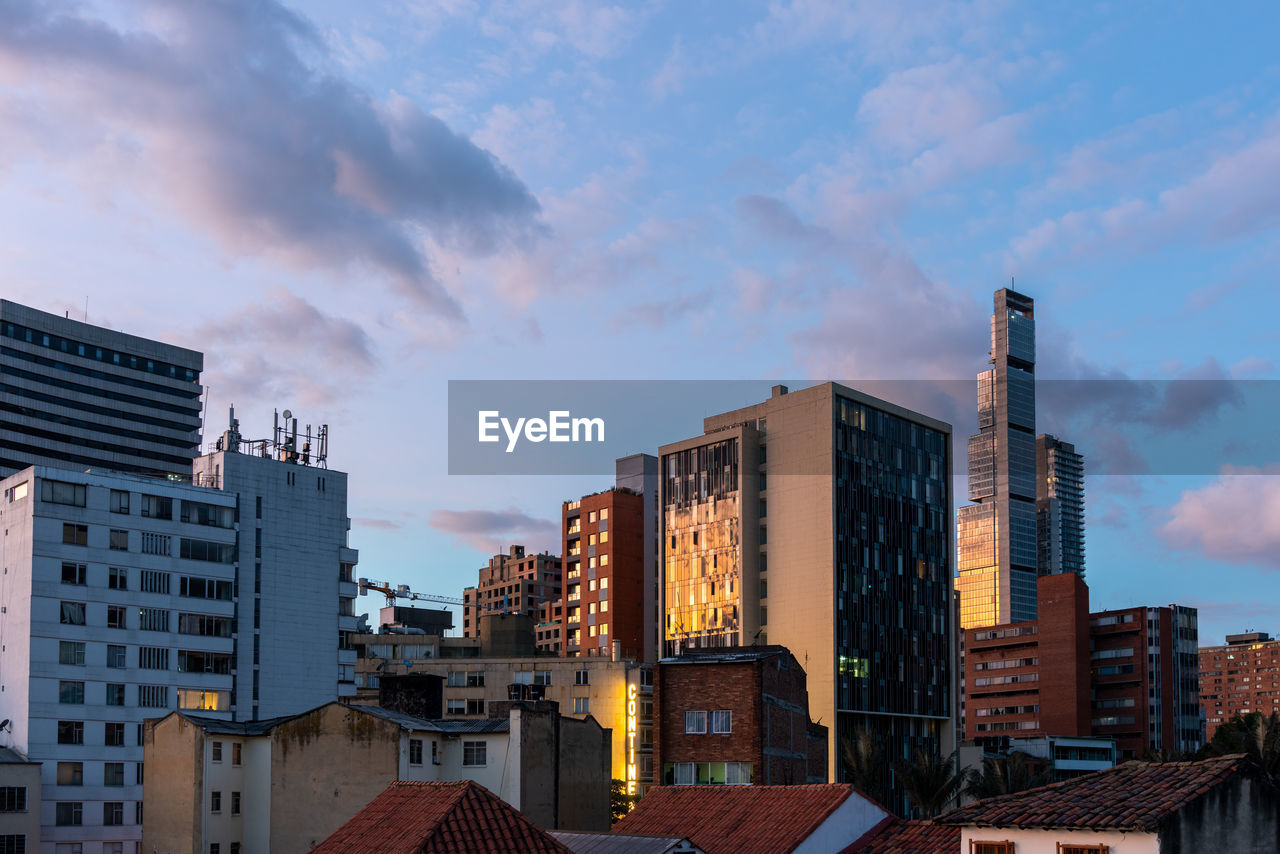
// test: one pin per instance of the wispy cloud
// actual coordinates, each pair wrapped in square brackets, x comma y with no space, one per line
[225,112]
[491,531]
[1235,519]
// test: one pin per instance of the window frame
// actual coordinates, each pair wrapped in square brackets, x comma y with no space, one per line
[693,724]
[979,846]
[475,750]
[716,713]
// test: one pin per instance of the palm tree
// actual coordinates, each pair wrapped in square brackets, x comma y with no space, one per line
[1004,775]
[1255,735]
[930,782]
[864,757]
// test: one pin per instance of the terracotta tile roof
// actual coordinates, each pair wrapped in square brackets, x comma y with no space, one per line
[1132,796]
[913,837]
[438,818]
[732,819]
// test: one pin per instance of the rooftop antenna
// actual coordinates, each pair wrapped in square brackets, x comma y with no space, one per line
[86,308]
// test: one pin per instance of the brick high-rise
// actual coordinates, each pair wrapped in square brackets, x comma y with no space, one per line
[1239,677]
[511,583]
[605,575]
[1126,674]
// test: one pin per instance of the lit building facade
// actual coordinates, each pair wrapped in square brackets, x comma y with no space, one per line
[996,535]
[1059,507]
[1239,677]
[120,603]
[78,396]
[819,520]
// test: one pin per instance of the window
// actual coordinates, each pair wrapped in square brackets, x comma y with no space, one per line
[216,750]
[475,679]
[153,696]
[707,773]
[695,722]
[113,734]
[1063,848]
[115,694]
[200,624]
[456,707]
[157,507]
[70,773]
[119,540]
[206,550]
[116,655]
[215,848]
[57,492]
[415,751]
[68,848]
[457,679]
[604,606]
[976,847]
[156,544]
[210,514]
[153,619]
[68,813]
[190,661]
[474,754]
[71,693]
[722,721]
[154,582]
[215,801]
[71,652]
[235,803]
[204,588]
[13,798]
[210,701]
[119,501]
[117,578]
[153,658]
[582,677]
[116,617]
[235,848]
[71,614]
[74,534]
[475,707]
[70,732]
[13,843]
[113,773]
[73,573]
[581,705]
[235,752]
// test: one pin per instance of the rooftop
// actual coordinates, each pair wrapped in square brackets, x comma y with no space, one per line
[435,818]
[621,843]
[1132,796]
[912,837]
[759,819]
[215,726]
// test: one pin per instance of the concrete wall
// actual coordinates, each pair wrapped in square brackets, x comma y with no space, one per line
[325,766]
[1242,816]
[173,788]
[585,749]
[27,823]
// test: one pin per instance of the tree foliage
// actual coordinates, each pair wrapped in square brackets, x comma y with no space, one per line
[930,782]
[1005,775]
[620,803]
[1255,735]
[865,760]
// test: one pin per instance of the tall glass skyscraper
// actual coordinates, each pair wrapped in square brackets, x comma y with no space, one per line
[996,536]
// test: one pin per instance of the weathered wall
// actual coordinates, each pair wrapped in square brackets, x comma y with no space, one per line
[173,752]
[417,694]
[1242,816]
[326,766]
[585,750]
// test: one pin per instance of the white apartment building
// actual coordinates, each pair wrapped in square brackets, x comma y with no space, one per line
[117,604]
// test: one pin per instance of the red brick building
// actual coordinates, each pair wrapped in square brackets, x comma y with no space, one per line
[1127,674]
[736,716]
[1241,677]
[513,583]
[605,576]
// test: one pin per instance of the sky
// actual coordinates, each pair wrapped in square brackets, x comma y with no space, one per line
[346,205]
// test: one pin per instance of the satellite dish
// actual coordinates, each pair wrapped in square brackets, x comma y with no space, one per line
[287,415]
[4,724]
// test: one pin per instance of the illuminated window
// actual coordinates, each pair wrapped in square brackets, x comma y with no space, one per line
[695,722]
[604,514]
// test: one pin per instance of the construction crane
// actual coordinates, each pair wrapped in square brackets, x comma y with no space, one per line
[402,591]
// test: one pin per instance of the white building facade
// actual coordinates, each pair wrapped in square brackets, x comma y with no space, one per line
[119,604]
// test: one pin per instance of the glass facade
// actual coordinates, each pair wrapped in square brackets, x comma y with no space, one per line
[702,558]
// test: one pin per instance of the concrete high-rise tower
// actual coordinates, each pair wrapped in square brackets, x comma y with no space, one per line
[996,536]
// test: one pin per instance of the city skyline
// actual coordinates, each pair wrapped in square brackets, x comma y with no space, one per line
[792,189]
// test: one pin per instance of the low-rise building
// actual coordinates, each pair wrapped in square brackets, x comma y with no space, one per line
[432,818]
[816,819]
[19,803]
[1239,677]
[284,784]
[1224,804]
[737,716]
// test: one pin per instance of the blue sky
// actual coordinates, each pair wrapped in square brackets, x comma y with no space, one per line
[345,205]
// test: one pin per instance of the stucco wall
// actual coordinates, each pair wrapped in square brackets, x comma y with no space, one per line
[1046,841]
[309,798]
[173,751]
[1242,817]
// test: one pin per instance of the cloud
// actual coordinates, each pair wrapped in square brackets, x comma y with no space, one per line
[283,348]
[1234,519]
[529,134]
[491,531]
[663,314]
[225,112]
[775,219]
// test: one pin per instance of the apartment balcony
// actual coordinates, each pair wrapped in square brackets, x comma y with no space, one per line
[348,589]
[575,530]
